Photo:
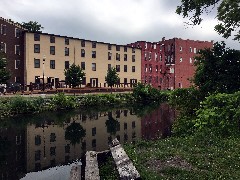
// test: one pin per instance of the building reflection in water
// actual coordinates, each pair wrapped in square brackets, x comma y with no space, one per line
[49,144]
[51,139]
[158,123]
[12,153]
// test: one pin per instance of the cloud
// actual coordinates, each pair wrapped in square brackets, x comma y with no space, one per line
[112,21]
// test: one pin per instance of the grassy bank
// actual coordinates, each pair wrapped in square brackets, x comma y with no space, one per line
[193,157]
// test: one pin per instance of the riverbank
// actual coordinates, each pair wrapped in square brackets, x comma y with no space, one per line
[204,156]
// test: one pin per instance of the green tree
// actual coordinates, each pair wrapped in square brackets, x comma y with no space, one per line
[74,75]
[4,73]
[218,70]
[228,14]
[32,26]
[112,77]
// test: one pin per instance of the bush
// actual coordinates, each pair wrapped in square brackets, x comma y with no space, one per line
[220,112]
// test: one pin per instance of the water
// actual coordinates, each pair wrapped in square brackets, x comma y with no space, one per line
[43,146]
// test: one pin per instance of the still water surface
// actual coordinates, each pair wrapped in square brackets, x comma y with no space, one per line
[32,143]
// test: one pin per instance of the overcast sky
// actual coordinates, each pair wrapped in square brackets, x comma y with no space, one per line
[111,21]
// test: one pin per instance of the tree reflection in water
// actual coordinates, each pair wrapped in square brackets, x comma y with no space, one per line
[112,124]
[75,133]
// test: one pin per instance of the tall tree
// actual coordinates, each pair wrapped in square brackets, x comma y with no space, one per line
[32,26]
[4,73]
[218,70]
[74,75]
[112,124]
[75,133]
[228,14]
[112,77]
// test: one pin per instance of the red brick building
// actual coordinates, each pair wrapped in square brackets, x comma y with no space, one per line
[12,45]
[168,64]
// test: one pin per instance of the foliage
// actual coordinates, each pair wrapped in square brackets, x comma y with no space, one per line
[228,13]
[4,73]
[185,100]
[112,77]
[218,70]
[74,75]
[32,26]
[75,133]
[112,125]
[147,94]
[107,169]
[60,101]
[220,113]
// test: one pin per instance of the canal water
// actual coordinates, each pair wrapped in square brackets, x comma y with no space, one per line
[43,145]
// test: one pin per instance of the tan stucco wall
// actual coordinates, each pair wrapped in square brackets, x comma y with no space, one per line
[74,46]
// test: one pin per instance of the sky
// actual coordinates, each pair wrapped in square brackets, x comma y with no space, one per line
[112,21]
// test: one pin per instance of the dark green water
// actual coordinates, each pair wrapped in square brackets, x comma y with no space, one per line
[31,143]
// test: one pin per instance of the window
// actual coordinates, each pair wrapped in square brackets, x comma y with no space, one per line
[94,131]
[37,140]
[52,64]
[125,57]
[52,50]
[155,56]
[93,54]
[17,64]
[181,59]
[150,68]
[52,39]
[94,143]
[125,82]
[180,48]
[82,43]
[125,48]
[52,137]
[125,68]
[17,79]
[117,68]
[37,155]
[17,49]
[17,32]
[195,50]
[125,137]
[3,47]
[36,48]
[133,124]
[109,66]
[52,151]
[190,49]
[36,63]
[117,56]
[66,51]
[83,65]
[84,81]
[133,50]
[67,148]
[36,37]
[117,48]
[109,47]
[82,53]
[66,41]
[133,68]
[109,56]
[66,64]
[150,56]
[94,67]
[190,60]
[125,126]
[154,46]
[146,68]
[3,29]
[133,58]
[93,44]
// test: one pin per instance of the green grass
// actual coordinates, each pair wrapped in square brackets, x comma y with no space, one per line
[191,157]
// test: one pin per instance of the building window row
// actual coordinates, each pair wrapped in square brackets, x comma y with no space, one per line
[3,47]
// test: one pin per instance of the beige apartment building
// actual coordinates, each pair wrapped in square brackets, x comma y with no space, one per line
[47,55]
